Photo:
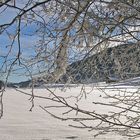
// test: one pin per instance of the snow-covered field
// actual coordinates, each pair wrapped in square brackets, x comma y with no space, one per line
[18,123]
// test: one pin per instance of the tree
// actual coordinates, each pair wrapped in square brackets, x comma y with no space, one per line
[67,31]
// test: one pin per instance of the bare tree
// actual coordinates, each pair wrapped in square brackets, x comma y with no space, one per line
[76,42]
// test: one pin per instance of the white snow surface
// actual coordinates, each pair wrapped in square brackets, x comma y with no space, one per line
[18,123]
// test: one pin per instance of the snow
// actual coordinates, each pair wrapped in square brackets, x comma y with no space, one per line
[18,123]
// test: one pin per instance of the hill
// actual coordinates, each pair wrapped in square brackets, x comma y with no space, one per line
[121,62]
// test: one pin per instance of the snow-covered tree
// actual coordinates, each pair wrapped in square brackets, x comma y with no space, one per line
[41,38]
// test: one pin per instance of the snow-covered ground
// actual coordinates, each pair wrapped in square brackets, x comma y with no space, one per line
[18,123]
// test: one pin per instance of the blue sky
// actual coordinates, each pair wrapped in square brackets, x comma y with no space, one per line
[27,43]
